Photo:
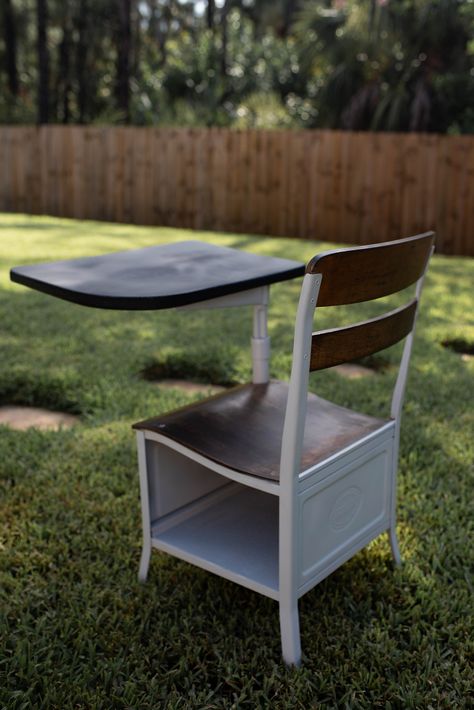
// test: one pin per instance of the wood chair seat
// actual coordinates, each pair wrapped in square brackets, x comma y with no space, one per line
[242,428]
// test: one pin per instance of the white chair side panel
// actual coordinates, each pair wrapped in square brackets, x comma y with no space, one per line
[342,509]
[175,480]
[316,474]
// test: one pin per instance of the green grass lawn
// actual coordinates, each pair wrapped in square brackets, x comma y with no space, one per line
[76,628]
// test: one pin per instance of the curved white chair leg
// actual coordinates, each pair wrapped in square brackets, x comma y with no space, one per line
[144,563]
[290,634]
[392,536]
[145,505]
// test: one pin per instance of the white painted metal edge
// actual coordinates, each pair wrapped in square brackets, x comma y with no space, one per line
[307,473]
[261,484]
[216,569]
[253,297]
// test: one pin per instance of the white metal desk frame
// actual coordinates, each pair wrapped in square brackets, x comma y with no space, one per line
[258,298]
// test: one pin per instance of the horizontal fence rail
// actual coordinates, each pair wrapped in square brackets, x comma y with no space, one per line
[336,186]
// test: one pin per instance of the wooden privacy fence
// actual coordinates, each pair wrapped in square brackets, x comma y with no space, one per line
[331,185]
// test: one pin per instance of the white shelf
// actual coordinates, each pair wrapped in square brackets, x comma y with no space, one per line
[235,537]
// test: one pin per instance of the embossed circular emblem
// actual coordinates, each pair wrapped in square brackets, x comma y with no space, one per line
[345,508]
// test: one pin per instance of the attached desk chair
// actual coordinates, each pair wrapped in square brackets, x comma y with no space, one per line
[272,487]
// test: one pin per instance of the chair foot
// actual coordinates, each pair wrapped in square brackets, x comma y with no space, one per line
[144,563]
[290,635]
[392,536]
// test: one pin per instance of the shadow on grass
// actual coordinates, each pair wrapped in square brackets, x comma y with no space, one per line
[207,367]
[38,226]
[38,390]
[459,345]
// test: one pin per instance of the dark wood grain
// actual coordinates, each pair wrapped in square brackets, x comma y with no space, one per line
[243,428]
[365,273]
[338,345]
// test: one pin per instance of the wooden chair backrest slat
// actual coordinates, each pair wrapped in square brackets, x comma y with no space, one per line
[369,272]
[339,345]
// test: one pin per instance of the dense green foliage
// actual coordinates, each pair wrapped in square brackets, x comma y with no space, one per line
[78,631]
[354,64]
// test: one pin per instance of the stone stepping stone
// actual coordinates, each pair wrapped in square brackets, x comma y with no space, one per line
[23,418]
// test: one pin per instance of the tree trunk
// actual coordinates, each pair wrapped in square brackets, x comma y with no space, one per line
[81,61]
[136,42]
[288,15]
[158,18]
[124,41]
[224,14]
[43,61]
[210,13]
[65,71]
[9,36]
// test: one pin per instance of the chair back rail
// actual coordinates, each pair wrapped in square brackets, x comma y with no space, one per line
[339,345]
[368,272]
[337,278]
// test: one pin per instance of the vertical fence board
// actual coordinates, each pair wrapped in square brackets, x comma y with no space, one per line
[232,180]
[380,193]
[190,179]
[260,182]
[462,162]
[16,175]
[78,188]
[252,178]
[159,178]
[281,215]
[180,183]
[218,179]
[468,196]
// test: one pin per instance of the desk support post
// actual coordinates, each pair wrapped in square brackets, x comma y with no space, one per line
[258,298]
[261,341]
